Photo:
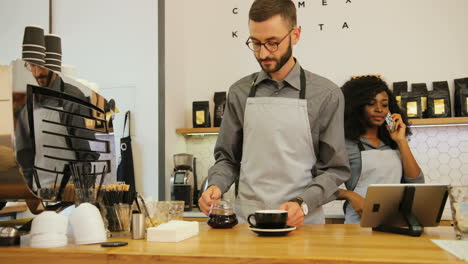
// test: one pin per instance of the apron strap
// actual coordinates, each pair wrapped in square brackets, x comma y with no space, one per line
[360,146]
[303,84]
[62,85]
[253,87]
[127,116]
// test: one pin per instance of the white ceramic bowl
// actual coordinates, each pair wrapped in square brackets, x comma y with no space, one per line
[87,225]
[49,222]
[48,240]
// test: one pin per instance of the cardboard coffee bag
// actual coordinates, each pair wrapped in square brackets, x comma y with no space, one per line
[438,100]
[400,90]
[418,92]
[220,102]
[201,114]
[461,97]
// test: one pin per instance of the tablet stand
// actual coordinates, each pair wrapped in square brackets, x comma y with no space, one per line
[414,227]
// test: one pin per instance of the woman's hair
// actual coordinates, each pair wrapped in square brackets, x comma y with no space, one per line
[359,92]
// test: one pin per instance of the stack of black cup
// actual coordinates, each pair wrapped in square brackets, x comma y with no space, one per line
[53,53]
[34,45]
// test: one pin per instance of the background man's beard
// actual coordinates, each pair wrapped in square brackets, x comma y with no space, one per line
[41,80]
[47,78]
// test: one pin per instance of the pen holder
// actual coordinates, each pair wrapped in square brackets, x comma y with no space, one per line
[123,213]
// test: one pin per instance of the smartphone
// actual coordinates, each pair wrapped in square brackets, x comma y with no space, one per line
[114,244]
[390,122]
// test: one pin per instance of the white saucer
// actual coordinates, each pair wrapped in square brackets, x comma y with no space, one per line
[288,228]
[272,232]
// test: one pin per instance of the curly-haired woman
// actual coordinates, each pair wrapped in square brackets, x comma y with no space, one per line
[377,153]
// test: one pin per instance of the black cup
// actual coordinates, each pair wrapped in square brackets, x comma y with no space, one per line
[33,55]
[53,44]
[54,56]
[34,48]
[53,67]
[34,35]
[269,219]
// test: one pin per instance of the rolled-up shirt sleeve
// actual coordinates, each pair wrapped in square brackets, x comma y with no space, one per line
[419,179]
[332,167]
[406,179]
[228,148]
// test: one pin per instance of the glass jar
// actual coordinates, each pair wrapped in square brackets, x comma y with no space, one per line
[222,215]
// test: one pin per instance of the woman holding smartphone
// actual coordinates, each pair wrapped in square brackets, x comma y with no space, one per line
[378,153]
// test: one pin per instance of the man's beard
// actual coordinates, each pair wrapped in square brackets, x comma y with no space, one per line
[279,64]
[47,79]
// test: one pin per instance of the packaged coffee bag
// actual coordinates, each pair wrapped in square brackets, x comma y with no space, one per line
[400,90]
[438,100]
[419,92]
[220,102]
[412,106]
[201,114]
[461,97]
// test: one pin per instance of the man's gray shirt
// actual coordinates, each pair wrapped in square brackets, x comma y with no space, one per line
[325,106]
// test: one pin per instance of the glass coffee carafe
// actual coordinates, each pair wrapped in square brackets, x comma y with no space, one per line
[222,215]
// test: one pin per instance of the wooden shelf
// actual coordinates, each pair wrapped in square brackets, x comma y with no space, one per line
[448,121]
[198,131]
[14,209]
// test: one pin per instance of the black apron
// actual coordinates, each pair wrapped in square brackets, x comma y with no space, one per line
[125,172]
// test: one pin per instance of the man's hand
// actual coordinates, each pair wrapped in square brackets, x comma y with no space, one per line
[357,202]
[212,193]
[295,214]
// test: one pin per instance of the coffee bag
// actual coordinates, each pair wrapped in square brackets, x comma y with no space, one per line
[418,93]
[438,100]
[201,114]
[461,97]
[220,102]
[400,90]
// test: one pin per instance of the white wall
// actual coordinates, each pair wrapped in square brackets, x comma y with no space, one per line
[14,16]
[414,41]
[176,86]
[417,41]
[114,43]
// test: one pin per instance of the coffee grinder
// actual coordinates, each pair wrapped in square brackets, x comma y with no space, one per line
[184,180]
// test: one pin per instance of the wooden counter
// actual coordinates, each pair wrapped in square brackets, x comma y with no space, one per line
[14,209]
[309,244]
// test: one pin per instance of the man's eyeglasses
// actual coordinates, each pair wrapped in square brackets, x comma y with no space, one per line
[30,66]
[271,46]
